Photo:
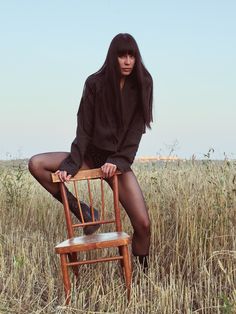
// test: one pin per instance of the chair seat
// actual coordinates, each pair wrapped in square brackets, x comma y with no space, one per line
[94,241]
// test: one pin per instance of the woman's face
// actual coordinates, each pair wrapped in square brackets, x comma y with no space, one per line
[126,64]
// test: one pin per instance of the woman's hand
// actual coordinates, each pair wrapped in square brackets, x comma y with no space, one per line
[108,170]
[63,176]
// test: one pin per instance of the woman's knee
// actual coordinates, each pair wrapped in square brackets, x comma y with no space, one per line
[143,227]
[43,163]
[146,227]
[34,164]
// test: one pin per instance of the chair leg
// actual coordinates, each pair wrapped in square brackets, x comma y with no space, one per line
[127,269]
[73,258]
[66,279]
[121,254]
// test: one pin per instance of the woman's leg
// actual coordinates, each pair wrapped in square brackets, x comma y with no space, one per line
[131,198]
[41,166]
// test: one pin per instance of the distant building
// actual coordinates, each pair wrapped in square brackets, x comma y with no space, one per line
[156,158]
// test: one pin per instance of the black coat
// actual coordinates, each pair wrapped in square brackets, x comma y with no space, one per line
[121,142]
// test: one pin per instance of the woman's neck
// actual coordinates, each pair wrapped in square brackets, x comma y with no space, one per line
[122,82]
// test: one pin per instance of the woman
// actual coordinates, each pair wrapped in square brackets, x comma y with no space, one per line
[115,109]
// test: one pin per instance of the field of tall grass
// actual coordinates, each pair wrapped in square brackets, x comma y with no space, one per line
[192,205]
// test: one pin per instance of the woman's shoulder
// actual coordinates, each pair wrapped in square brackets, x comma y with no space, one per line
[94,81]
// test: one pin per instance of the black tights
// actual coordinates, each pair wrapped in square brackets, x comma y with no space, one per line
[130,196]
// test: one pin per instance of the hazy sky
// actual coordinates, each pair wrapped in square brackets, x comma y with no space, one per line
[49,47]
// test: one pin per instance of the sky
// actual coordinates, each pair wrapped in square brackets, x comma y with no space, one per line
[49,47]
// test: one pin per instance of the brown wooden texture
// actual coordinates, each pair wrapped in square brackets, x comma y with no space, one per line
[89,175]
[70,230]
[92,242]
[71,248]
[127,269]
[66,279]
[82,175]
[98,260]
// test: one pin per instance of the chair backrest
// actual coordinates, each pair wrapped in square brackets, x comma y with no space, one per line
[90,175]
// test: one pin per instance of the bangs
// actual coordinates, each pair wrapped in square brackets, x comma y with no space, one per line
[125,52]
[126,46]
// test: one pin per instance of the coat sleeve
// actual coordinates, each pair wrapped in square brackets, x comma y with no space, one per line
[124,157]
[85,117]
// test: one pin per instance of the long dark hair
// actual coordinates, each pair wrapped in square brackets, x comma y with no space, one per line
[122,44]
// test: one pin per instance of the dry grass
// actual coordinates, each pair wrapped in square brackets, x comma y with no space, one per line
[193,254]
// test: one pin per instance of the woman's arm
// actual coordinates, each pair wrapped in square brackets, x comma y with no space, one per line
[85,117]
[124,157]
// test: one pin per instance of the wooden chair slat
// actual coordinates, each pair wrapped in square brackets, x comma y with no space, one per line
[90,200]
[70,231]
[102,199]
[78,201]
[93,261]
[116,204]
[82,175]
[104,222]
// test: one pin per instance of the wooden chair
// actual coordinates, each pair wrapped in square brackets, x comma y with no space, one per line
[69,249]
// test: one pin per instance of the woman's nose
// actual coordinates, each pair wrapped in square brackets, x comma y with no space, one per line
[127,59]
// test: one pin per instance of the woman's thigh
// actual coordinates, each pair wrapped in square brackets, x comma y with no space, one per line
[47,161]
[50,161]
[131,198]
[42,165]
